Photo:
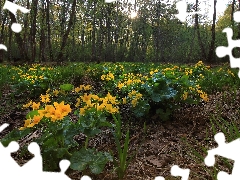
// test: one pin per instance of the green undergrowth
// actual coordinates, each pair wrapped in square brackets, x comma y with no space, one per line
[98,93]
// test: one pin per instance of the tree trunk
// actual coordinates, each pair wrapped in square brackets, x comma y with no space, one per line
[49,31]
[212,46]
[10,58]
[22,49]
[239,28]
[3,20]
[65,36]
[42,35]
[33,29]
[93,58]
[204,55]
[232,12]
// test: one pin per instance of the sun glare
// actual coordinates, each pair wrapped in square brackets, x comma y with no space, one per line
[133,15]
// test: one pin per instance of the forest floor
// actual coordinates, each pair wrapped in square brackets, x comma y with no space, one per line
[163,145]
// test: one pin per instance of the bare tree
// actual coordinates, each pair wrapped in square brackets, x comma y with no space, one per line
[212,45]
[69,27]
[198,33]
[19,39]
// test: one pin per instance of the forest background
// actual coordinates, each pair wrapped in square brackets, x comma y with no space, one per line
[95,31]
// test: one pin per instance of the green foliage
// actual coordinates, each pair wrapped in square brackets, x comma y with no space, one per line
[57,142]
[66,87]
[123,159]
[89,158]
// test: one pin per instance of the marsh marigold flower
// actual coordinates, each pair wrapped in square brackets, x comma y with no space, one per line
[35,106]
[28,104]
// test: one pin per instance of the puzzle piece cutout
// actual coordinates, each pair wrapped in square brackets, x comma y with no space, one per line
[177,171]
[222,51]
[13,8]
[182,11]
[33,168]
[227,150]
[9,169]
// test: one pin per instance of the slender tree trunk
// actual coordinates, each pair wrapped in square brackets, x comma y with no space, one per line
[3,20]
[232,12]
[42,35]
[212,46]
[26,28]
[49,31]
[94,33]
[239,28]
[33,29]
[22,49]
[65,36]
[10,45]
[204,55]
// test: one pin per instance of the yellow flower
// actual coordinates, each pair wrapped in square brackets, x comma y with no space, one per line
[58,115]
[129,82]
[86,98]
[88,87]
[100,107]
[138,95]
[77,89]
[131,94]
[198,87]
[55,92]
[37,119]
[78,102]
[120,85]
[185,94]
[95,97]
[27,122]
[28,104]
[42,112]
[47,91]
[41,77]
[103,77]
[134,102]
[45,98]
[64,109]
[50,111]
[82,111]
[110,108]
[204,97]
[124,100]
[35,106]
[111,76]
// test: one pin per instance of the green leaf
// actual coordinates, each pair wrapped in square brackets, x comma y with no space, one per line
[68,134]
[66,87]
[31,114]
[85,158]
[15,135]
[156,97]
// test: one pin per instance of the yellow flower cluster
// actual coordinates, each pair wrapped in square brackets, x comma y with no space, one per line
[153,71]
[188,71]
[45,98]
[82,87]
[89,101]
[135,96]
[185,95]
[230,72]
[54,113]
[203,95]
[200,63]
[131,79]
[107,77]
